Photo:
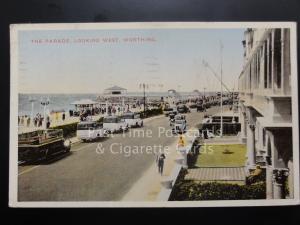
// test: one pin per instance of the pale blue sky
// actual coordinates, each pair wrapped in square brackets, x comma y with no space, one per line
[174,59]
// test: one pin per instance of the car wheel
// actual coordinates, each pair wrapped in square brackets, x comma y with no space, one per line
[68,150]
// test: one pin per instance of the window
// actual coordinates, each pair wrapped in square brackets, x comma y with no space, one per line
[277,58]
[264,136]
[128,116]
[287,62]
[250,75]
[265,64]
[270,61]
[111,120]
[258,68]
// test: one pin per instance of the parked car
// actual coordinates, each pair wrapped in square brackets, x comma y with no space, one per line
[193,106]
[183,109]
[200,108]
[90,130]
[133,119]
[179,124]
[167,111]
[172,118]
[180,117]
[41,144]
[114,124]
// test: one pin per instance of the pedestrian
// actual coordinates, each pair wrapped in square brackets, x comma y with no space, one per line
[63,116]
[181,141]
[40,122]
[160,163]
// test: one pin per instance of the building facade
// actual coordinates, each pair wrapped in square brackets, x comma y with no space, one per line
[266,109]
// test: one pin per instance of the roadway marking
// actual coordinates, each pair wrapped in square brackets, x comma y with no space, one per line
[28,170]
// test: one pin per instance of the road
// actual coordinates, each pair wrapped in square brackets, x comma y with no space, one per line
[87,175]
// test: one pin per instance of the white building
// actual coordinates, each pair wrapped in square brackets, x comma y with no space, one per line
[265,107]
[115,91]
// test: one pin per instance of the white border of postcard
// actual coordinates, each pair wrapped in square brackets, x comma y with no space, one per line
[13,164]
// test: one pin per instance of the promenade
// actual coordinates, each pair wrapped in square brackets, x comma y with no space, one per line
[56,120]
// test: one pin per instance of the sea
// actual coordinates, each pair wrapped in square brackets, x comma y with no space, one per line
[60,102]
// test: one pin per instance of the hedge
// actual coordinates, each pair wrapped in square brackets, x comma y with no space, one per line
[186,190]
[69,129]
[100,120]
[151,112]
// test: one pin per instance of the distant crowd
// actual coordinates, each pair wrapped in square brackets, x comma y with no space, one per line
[37,120]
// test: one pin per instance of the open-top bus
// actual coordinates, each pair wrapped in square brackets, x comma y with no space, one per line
[41,144]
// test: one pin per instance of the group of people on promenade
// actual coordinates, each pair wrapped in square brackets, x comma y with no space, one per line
[38,120]
[111,110]
[26,120]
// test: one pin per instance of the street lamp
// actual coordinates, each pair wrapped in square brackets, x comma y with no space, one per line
[144,86]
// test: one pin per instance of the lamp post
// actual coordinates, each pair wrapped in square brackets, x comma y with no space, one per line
[45,103]
[144,86]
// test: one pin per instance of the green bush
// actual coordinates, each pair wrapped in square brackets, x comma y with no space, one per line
[100,120]
[69,130]
[151,112]
[186,190]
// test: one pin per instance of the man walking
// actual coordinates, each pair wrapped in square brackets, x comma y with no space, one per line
[160,163]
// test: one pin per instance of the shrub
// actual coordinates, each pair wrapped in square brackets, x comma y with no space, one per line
[100,120]
[151,112]
[69,130]
[187,190]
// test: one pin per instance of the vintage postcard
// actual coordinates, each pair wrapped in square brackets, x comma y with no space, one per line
[154,115]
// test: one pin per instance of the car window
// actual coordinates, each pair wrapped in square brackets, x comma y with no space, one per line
[128,116]
[111,120]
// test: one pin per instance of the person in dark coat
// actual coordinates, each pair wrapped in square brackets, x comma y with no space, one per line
[160,162]
[63,116]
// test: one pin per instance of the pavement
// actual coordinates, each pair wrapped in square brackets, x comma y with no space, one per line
[217,174]
[110,169]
